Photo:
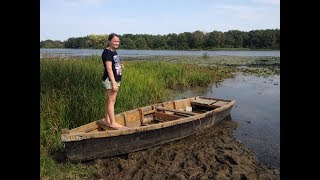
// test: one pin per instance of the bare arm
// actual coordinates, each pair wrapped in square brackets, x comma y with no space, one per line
[111,76]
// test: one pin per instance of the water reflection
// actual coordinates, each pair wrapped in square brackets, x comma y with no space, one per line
[257,111]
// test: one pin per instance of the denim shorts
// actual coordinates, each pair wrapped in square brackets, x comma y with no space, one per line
[107,84]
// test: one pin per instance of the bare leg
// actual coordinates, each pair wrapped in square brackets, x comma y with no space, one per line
[106,119]
[109,115]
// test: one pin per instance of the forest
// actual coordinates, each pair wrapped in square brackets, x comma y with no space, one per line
[197,40]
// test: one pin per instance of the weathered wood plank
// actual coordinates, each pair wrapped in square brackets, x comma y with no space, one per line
[165,117]
[181,104]
[173,110]
[214,99]
[90,129]
[168,105]
[182,114]
[149,112]
[119,118]
[205,101]
[125,119]
[220,103]
[204,105]
[84,128]
[141,116]
[133,116]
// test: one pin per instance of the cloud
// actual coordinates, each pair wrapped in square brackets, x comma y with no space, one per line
[268,2]
[82,3]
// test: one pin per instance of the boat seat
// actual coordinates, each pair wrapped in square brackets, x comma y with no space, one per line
[176,111]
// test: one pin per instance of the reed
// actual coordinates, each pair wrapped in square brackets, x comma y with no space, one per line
[72,95]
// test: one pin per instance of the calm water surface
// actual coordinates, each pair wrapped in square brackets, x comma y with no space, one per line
[132,53]
[257,111]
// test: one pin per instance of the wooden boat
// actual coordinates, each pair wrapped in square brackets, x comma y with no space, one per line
[148,126]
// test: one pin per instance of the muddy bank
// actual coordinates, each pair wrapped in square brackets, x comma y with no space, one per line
[212,154]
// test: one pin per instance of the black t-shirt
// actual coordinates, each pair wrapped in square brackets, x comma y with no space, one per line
[108,55]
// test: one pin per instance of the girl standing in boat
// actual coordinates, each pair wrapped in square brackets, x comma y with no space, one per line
[111,78]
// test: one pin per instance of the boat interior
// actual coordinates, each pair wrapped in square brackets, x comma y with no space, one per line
[157,113]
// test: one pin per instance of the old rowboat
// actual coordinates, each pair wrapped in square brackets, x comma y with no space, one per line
[148,126]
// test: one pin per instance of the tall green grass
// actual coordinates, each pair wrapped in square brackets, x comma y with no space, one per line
[72,95]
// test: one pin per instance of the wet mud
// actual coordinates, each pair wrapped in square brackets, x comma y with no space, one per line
[213,153]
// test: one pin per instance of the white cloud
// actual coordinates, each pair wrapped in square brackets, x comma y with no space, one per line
[268,2]
[82,3]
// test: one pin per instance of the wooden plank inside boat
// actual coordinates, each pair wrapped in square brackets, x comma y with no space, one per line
[220,103]
[168,105]
[133,116]
[182,104]
[204,101]
[132,122]
[85,128]
[147,116]
[120,119]
[209,103]
[173,110]
[164,116]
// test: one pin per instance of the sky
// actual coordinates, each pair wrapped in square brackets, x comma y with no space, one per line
[64,19]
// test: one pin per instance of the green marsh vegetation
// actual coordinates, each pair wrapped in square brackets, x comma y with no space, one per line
[247,65]
[72,95]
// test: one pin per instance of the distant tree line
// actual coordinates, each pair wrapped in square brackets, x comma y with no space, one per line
[198,40]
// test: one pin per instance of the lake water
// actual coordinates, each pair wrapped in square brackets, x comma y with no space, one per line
[257,111]
[132,53]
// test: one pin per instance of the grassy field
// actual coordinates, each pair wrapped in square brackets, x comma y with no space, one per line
[72,95]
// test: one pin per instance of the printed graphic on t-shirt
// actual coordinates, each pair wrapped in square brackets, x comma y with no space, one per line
[117,65]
